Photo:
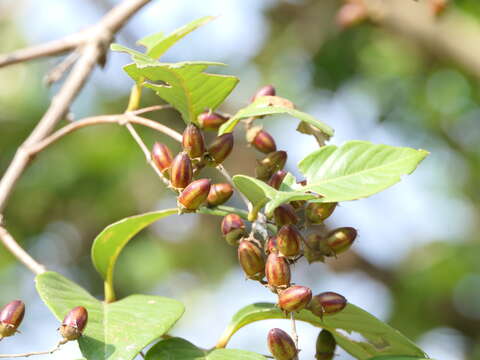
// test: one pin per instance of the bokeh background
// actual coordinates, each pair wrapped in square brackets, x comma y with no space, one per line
[416,263]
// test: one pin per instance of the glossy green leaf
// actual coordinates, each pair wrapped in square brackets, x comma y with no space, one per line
[115,331]
[108,245]
[355,170]
[180,349]
[378,337]
[184,85]
[157,44]
[138,57]
[260,107]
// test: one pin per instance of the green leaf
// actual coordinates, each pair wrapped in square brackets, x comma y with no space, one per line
[260,108]
[157,44]
[379,338]
[108,245]
[180,349]
[355,170]
[184,85]
[399,357]
[115,331]
[137,56]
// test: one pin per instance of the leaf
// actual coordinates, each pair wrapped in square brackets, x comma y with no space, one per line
[115,331]
[180,349]
[137,56]
[184,85]
[108,245]
[379,338]
[306,128]
[355,170]
[157,44]
[398,357]
[261,107]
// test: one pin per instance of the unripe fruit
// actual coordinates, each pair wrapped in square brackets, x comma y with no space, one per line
[195,194]
[281,345]
[270,164]
[233,228]
[221,147]
[251,259]
[327,303]
[325,346]
[212,121]
[161,156]
[267,90]
[351,14]
[181,171]
[316,213]
[277,178]
[285,215]
[11,317]
[192,141]
[74,323]
[295,298]
[271,245]
[277,271]
[289,241]
[338,241]
[219,194]
[261,140]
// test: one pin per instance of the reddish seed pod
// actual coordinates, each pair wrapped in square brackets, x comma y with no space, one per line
[212,121]
[195,194]
[251,259]
[285,215]
[161,156]
[277,271]
[289,241]
[233,228]
[261,140]
[267,90]
[192,141]
[327,303]
[325,346]
[181,171]
[277,178]
[339,240]
[295,298]
[281,345]
[11,316]
[271,245]
[221,147]
[270,164]
[74,323]
[316,213]
[219,194]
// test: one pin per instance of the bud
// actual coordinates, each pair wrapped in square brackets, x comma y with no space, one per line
[74,323]
[281,345]
[221,147]
[317,212]
[327,303]
[270,164]
[289,240]
[181,171]
[338,241]
[325,346]
[192,141]
[212,121]
[233,228]
[219,194]
[277,271]
[251,260]
[277,179]
[271,245]
[11,316]
[261,140]
[352,13]
[161,156]
[284,215]
[295,298]
[195,194]
[267,90]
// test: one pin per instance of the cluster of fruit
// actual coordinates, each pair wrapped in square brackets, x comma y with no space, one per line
[11,316]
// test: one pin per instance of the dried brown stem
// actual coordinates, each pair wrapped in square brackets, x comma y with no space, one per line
[56,348]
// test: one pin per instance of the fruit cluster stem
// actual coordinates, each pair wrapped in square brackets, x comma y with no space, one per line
[56,348]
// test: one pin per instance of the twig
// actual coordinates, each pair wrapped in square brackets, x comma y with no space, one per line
[57,72]
[151,108]
[9,242]
[294,330]
[56,348]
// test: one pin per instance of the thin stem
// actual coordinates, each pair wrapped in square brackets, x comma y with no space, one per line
[151,108]
[294,330]
[57,72]
[56,348]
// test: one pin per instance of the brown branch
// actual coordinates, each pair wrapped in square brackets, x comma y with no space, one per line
[56,348]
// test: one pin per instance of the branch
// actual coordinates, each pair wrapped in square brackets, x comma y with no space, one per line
[56,348]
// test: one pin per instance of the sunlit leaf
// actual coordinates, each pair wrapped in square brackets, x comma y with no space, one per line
[115,331]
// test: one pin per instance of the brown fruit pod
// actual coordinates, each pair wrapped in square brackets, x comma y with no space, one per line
[285,215]
[316,213]
[221,147]
[327,303]
[325,346]
[251,260]
[281,345]
[267,90]
[74,323]
[261,140]
[192,141]
[11,316]
[289,241]
[338,241]
[181,171]
[295,298]
[277,271]
[277,178]
[233,228]
[195,194]
[211,121]
[219,194]
[161,156]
